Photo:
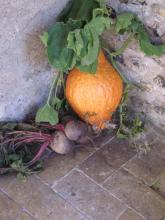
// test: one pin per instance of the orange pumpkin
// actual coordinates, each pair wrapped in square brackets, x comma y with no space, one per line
[95,97]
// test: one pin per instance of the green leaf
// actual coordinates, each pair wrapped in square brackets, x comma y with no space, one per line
[13,157]
[47,114]
[75,41]
[128,22]
[103,5]
[79,9]
[57,103]
[86,42]
[8,126]
[145,42]
[149,49]
[59,55]
[93,47]
[21,177]
[44,38]
[89,69]
[124,20]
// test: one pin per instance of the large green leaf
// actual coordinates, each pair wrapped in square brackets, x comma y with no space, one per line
[79,9]
[128,22]
[88,69]
[85,42]
[47,114]
[123,21]
[146,45]
[59,55]
[149,49]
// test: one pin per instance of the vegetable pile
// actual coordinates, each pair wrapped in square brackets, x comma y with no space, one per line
[21,150]
[75,42]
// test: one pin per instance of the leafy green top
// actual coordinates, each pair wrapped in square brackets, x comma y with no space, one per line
[128,22]
[75,41]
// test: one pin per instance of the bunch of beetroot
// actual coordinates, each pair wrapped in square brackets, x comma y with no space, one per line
[62,138]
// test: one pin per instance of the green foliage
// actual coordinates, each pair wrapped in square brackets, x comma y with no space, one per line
[75,41]
[16,161]
[79,47]
[128,22]
[124,21]
[80,9]
[50,111]
[44,38]
[47,114]
[129,125]
[85,42]
[59,55]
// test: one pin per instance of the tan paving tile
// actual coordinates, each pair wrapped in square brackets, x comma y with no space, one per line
[5,180]
[90,198]
[149,166]
[24,216]
[130,215]
[66,214]
[101,164]
[38,198]
[159,185]
[58,166]
[137,195]
[8,208]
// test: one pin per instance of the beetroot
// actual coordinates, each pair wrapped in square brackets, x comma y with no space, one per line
[75,130]
[61,144]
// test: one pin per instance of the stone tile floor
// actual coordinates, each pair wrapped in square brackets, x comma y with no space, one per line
[111,182]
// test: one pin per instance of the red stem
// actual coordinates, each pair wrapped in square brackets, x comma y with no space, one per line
[59,127]
[39,153]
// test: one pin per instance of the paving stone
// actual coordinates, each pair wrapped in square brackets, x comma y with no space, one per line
[5,180]
[105,161]
[159,185]
[38,199]
[137,195]
[149,166]
[58,166]
[90,198]
[130,215]
[8,208]
[24,216]
[66,214]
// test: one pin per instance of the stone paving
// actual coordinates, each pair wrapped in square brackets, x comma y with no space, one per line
[111,182]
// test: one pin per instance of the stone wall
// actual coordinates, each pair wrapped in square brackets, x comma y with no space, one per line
[147,72]
[25,73]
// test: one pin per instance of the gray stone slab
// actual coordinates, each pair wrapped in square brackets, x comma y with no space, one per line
[88,197]
[25,73]
[136,194]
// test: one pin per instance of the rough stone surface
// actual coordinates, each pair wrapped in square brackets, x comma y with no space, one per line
[148,72]
[59,165]
[9,208]
[25,73]
[24,216]
[148,167]
[130,215]
[106,160]
[89,197]
[136,194]
[41,201]
[64,192]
